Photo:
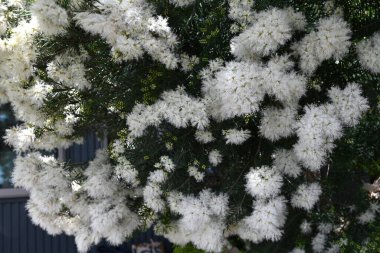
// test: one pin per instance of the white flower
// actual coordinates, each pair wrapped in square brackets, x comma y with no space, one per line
[204,136]
[367,217]
[318,243]
[285,162]
[176,107]
[194,172]
[51,17]
[126,171]
[21,138]
[297,250]
[182,3]
[235,136]
[271,29]
[265,222]
[277,123]
[165,163]
[348,103]
[131,28]
[369,53]
[263,182]
[305,227]
[214,157]
[306,196]
[188,63]
[330,40]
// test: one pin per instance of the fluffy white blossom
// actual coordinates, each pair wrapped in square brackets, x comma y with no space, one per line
[319,242]
[306,196]
[367,217]
[204,136]
[305,227]
[316,130]
[238,88]
[201,222]
[195,173]
[369,53]
[271,29]
[69,70]
[126,171]
[165,163]
[182,3]
[99,183]
[146,32]
[51,17]
[277,123]
[241,11]
[285,162]
[235,136]
[176,107]
[21,138]
[263,182]
[297,250]
[188,62]
[331,39]
[265,222]
[215,157]
[348,103]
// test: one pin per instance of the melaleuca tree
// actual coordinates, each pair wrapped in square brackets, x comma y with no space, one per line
[245,123]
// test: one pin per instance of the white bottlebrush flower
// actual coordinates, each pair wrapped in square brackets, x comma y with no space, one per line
[335,248]
[204,136]
[126,171]
[331,39]
[263,182]
[202,220]
[235,136]
[3,24]
[152,197]
[297,250]
[241,11]
[306,196]
[271,29]
[325,228]
[157,176]
[369,53]
[285,162]
[305,227]
[99,183]
[132,29]
[176,107]
[195,173]
[277,123]
[348,103]
[118,147]
[319,243]
[21,138]
[51,17]
[265,222]
[367,217]
[165,163]
[188,63]
[38,93]
[316,130]
[182,3]
[215,157]
[69,70]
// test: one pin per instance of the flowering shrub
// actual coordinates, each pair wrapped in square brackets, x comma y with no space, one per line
[222,118]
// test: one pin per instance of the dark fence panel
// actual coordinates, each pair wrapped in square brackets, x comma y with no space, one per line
[19,235]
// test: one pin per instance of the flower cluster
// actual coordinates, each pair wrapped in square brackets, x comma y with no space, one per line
[252,125]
